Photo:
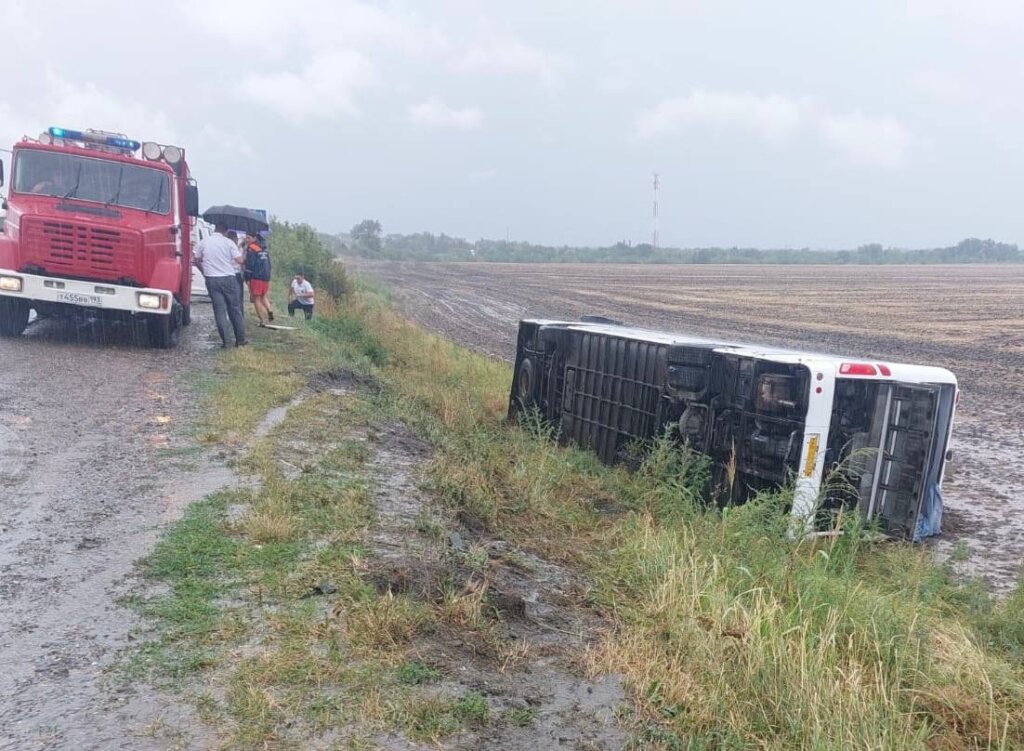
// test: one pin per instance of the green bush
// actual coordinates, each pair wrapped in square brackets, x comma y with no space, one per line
[297,249]
[332,279]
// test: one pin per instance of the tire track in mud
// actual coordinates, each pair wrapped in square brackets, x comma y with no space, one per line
[539,622]
[967,318]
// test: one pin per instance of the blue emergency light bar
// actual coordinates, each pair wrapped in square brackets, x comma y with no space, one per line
[116,142]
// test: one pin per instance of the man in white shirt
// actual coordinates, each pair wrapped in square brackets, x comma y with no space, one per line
[300,297]
[220,260]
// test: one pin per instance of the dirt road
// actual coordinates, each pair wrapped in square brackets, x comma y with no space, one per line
[967,318]
[94,461]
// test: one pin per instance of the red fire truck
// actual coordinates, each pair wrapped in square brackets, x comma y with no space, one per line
[98,225]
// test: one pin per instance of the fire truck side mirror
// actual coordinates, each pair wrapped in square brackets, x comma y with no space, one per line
[191,199]
[1,173]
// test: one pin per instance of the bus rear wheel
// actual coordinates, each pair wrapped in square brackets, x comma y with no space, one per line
[525,397]
[13,316]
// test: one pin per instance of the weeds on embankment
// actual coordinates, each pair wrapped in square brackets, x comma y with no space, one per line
[728,634]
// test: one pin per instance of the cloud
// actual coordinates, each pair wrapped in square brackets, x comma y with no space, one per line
[484,175]
[9,128]
[330,42]
[21,25]
[313,25]
[942,86]
[225,141]
[436,113]
[507,55]
[59,101]
[85,105]
[873,141]
[998,15]
[772,117]
[325,88]
[863,140]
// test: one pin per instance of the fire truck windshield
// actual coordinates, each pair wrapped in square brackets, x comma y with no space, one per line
[108,182]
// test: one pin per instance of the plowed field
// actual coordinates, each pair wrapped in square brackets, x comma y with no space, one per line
[969,319]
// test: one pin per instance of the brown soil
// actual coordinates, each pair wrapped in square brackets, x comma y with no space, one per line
[969,319]
[524,662]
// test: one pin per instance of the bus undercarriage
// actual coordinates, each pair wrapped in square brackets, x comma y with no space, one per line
[764,420]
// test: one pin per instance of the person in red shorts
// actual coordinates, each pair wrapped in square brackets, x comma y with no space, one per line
[257,272]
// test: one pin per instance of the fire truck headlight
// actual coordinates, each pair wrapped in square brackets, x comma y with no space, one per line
[172,154]
[10,283]
[149,300]
[151,151]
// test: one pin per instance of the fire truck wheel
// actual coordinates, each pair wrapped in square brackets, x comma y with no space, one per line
[13,317]
[163,330]
[186,315]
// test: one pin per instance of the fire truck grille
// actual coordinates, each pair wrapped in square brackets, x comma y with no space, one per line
[81,250]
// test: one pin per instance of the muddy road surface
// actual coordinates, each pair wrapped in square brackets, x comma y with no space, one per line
[969,319]
[94,461]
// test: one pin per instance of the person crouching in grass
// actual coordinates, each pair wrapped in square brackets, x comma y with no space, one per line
[257,272]
[300,297]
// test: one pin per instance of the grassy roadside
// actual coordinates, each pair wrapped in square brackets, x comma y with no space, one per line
[728,635]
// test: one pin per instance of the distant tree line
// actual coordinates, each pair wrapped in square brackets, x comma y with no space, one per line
[367,239]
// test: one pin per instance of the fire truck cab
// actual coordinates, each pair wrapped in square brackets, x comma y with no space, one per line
[98,225]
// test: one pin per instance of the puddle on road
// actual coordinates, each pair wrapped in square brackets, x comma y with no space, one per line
[276,416]
[335,383]
[194,485]
[13,457]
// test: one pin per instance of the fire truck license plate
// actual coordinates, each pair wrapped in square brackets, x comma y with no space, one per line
[74,298]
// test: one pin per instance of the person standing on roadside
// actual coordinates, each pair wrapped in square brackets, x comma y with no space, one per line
[257,272]
[220,259]
[239,277]
[300,297]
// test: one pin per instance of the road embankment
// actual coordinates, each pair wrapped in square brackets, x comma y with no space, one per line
[409,569]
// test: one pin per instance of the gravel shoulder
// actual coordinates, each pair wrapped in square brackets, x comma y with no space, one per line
[95,459]
[969,319]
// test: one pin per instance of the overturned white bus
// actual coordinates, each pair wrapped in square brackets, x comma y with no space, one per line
[848,433]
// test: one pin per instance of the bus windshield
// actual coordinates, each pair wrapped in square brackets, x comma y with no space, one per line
[108,182]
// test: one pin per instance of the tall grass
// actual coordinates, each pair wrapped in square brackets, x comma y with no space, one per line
[730,635]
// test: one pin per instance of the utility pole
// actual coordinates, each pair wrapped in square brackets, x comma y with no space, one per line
[654,216]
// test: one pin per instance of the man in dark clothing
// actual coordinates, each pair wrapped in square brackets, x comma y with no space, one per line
[219,260]
[233,237]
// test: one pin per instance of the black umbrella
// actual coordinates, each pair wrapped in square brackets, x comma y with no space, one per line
[237,218]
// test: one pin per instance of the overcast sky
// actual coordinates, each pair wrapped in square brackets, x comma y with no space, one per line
[820,124]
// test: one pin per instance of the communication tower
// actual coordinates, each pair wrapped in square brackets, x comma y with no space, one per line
[654,215]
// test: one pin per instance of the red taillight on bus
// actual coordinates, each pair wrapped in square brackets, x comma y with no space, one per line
[857,368]
[884,370]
